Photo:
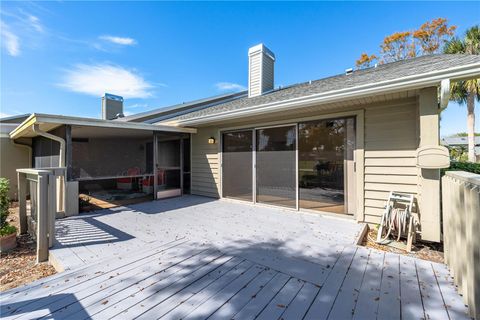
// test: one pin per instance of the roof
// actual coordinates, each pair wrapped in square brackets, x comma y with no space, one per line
[19,118]
[391,76]
[48,122]
[163,113]
[459,141]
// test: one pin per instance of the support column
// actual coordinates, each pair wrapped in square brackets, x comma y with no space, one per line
[22,202]
[42,218]
[155,164]
[429,188]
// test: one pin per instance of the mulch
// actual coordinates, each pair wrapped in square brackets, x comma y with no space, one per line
[18,266]
[422,250]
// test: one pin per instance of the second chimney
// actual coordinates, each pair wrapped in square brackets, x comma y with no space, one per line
[112,107]
[260,70]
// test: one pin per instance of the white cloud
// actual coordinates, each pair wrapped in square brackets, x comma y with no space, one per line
[97,79]
[124,41]
[229,86]
[10,40]
[35,23]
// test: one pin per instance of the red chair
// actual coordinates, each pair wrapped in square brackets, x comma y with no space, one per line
[127,182]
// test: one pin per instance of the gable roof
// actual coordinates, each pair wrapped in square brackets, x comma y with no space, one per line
[459,141]
[160,114]
[391,75]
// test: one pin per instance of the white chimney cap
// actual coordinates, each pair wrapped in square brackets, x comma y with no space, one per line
[261,48]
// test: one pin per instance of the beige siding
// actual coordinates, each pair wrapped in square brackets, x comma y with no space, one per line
[255,74]
[13,157]
[205,163]
[391,138]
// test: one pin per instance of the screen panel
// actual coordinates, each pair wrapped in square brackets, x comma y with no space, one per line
[276,166]
[237,165]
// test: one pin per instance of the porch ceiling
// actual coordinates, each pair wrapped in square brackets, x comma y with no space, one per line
[48,122]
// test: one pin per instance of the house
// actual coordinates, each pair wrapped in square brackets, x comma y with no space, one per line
[461,144]
[337,145]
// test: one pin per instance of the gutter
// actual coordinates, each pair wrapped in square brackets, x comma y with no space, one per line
[433,78]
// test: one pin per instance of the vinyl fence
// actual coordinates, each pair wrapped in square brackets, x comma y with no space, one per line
[461,230]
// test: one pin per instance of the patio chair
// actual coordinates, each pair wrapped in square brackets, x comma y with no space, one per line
[127,183]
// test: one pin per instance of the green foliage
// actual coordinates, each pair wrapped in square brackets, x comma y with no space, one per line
[4,201]
[463,134]
[5,228]
[463,166]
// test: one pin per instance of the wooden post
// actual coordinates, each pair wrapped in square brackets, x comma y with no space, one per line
[42,218]
[22,202]
[155,164]
[181,166]
[51,208]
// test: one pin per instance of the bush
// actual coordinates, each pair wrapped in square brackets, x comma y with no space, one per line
[463,166]
[5,228]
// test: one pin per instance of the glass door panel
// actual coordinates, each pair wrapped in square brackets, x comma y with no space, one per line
[322,170]
[276,166]
[237,165]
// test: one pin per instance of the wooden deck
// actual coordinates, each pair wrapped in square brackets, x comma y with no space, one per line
[193,258]
[185,280]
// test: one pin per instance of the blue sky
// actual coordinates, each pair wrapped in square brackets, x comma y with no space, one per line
[58,57]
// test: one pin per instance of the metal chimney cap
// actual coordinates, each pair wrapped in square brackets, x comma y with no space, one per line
[113,97]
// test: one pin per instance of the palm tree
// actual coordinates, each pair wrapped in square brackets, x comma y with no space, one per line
[467,91]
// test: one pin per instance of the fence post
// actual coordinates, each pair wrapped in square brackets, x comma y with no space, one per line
[22,202]
[473,271]
[52,208]
[42,218]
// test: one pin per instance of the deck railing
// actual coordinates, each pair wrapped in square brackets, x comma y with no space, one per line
[461,233]
[41,184]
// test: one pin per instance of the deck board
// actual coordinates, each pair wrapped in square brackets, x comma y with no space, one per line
[411,300]
[389,303]
[345,302]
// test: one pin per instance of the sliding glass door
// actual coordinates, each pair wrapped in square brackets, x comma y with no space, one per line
[309,165]
[325,164]
[276,166]
[237,164]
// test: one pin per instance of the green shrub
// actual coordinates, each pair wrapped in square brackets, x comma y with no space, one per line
[5,228]
[463,166]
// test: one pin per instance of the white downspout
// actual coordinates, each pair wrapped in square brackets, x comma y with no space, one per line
[61,203]
[50,136]
[444,93]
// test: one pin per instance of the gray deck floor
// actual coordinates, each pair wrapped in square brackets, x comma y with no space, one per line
[233,275]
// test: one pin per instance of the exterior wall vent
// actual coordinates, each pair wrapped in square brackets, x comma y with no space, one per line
[260,70]
[112,107]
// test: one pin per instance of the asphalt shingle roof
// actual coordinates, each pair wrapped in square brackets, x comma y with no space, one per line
[383,72]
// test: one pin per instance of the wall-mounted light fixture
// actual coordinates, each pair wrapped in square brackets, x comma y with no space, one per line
[211,140]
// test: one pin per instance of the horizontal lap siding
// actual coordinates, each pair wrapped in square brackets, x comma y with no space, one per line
[391,138]
[205,163]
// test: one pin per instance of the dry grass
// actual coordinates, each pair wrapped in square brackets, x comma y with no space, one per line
[18,266]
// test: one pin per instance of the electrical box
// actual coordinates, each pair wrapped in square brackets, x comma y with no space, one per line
[433,157]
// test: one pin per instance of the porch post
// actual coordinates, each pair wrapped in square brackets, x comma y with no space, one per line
[429,188]
[181,166]
[155,163]
[42,218]
[22,201]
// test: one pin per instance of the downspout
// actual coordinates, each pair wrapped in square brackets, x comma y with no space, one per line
[50,136]
[61,202]
[444,94]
